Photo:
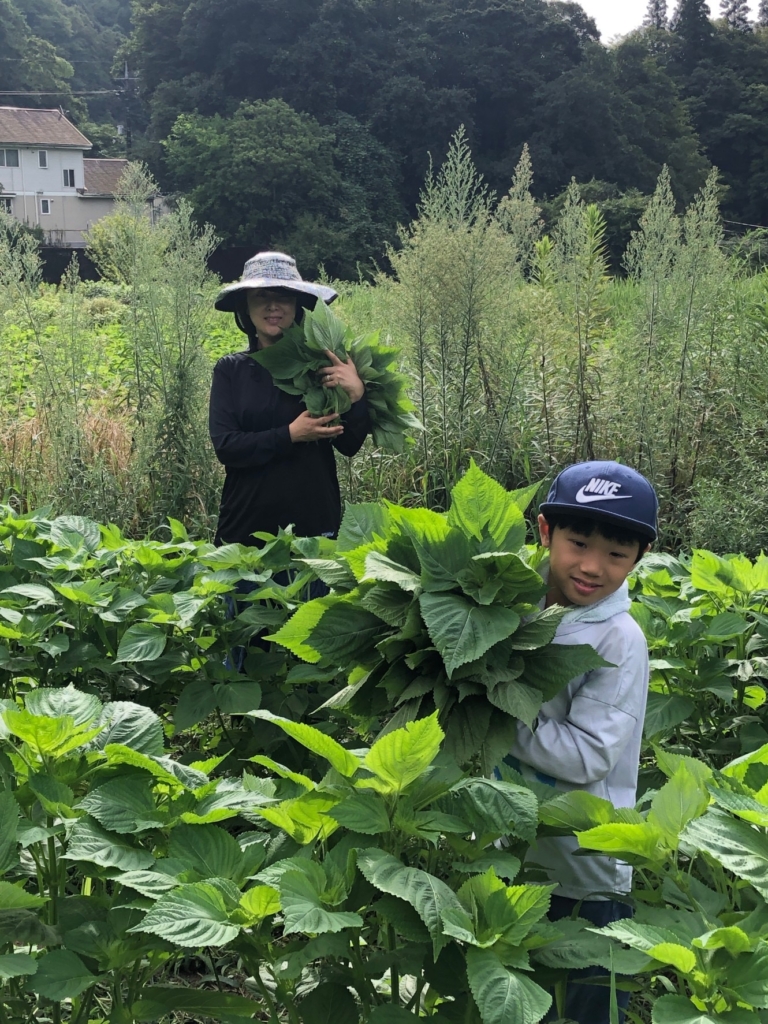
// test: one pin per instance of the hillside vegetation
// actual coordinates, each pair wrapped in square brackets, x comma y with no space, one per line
[524,351]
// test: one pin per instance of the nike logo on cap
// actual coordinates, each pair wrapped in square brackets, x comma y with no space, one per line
[600,490]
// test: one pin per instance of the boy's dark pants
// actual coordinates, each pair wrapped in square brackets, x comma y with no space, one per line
[589,1004]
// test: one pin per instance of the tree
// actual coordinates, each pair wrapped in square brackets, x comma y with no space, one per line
[691,19]
[736,14]
[762,13]
[251,175]
[693,31]
[656,15]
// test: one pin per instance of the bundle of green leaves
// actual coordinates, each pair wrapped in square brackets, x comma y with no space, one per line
[294,362]
[433,611]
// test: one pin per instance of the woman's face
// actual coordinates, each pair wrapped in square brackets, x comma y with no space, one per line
[271,311]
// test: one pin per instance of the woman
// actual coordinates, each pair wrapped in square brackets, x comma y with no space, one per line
[279,460]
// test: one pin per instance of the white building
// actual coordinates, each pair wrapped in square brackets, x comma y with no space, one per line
[45,178]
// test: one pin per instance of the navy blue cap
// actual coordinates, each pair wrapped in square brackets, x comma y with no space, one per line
[606,491]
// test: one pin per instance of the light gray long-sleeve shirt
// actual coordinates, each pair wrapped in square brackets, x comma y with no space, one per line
[588,737]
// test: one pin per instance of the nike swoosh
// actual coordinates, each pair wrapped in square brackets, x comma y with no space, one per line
[587,499]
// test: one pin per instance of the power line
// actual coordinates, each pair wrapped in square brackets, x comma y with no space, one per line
[63,92]
[743,224]
[73,60]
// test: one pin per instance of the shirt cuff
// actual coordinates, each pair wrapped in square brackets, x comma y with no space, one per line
[283,442]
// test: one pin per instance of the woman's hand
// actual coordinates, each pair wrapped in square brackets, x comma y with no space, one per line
[307,427]
[343,375]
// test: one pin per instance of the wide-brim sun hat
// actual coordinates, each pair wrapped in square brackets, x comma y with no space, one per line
[271,270]
[606,491]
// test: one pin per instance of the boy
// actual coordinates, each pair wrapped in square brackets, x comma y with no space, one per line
[598,521]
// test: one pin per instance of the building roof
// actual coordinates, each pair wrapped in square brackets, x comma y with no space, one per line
[26,126]
[102,176]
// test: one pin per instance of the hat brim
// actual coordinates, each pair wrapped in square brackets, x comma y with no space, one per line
[603,517]
[227,299]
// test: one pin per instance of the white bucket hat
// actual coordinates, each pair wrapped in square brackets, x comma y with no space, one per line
[271,270]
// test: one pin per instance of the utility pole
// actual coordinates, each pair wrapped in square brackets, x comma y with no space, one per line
[129,94]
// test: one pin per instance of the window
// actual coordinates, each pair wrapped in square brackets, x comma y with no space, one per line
[9,158]
[69,177]
[42,158]
[6,204]
[45,206]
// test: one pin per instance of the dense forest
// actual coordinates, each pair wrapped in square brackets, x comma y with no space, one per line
[311,124]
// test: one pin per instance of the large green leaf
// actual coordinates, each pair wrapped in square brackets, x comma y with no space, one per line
[304,818]
[329,627]
[164,768]
[196,701]
[342,760]
[679,1010]
[538,630]
[9,816]
[83,708]
[467,728]
[636,842]
[503,864]
[665,711]
[14,896]
[679,801]
[385,570]
[16,965]
[552,668]
[159,1001]
[480,506]
[75,531]
[329,1003]
[390,1013]
[493,806]
[149,883]
[238,698]
[576,811]
[303,907]
[135,726]
[402,756]
[748,976]
[503,995]
[463,631]
[192,915]
[48,737]
[143,641]
[208,850]
[639,935]
[360,523]
[426,894]
[362,812]
[518,700]
[739,847]
[346,633]
[61,974]
[89,842]
[124,805]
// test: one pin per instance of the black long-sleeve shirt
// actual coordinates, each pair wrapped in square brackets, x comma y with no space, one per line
[270,481]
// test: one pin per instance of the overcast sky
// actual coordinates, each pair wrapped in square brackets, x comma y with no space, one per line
[615,17]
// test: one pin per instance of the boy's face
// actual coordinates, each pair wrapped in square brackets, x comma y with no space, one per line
[584,570]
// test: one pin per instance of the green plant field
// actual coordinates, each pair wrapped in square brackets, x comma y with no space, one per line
[319,835]
[523,353]
[182,842]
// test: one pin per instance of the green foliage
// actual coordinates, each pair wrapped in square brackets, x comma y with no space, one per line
[704,618]
[709,868]
[112,911]
[83,604]
[429,608]
[295,359]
